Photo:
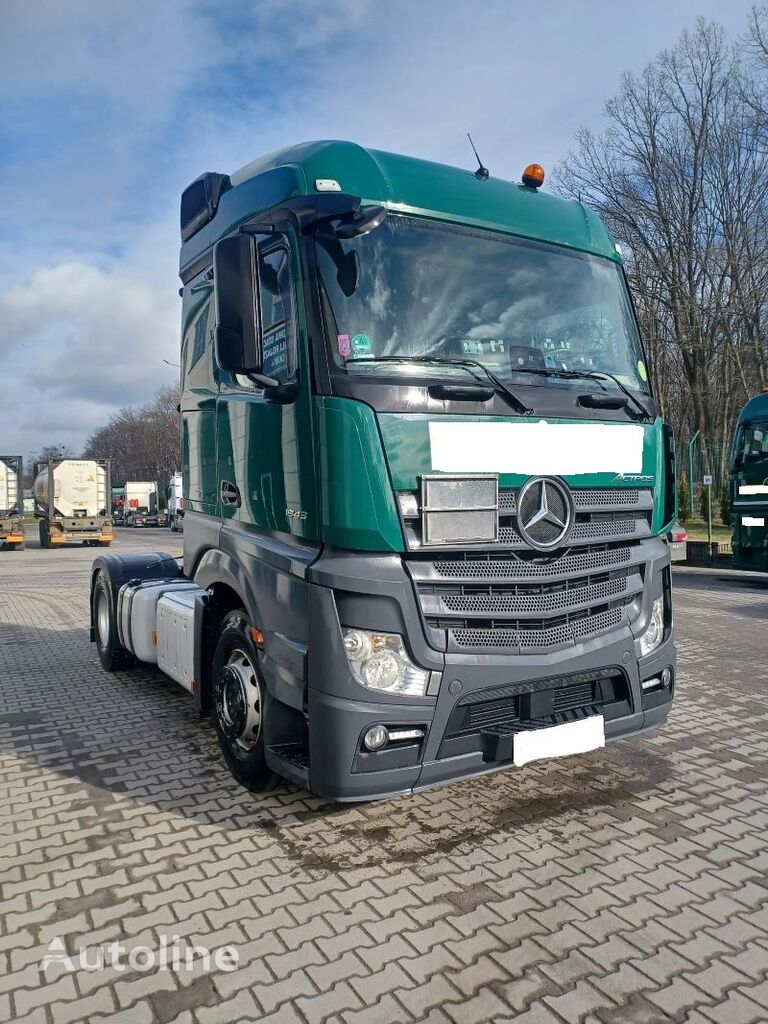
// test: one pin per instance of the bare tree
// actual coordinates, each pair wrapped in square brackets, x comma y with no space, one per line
[143,441]
[680,175]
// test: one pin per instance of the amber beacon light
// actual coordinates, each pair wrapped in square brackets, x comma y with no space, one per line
[533,176]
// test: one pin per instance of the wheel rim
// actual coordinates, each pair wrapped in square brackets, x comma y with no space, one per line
[102,619]
[239,703]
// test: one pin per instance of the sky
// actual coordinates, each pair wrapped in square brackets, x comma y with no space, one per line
[109,109]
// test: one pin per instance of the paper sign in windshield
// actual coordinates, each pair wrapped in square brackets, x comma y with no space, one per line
[536,449]
[275,353]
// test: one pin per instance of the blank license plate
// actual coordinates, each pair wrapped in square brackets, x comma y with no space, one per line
[559,740]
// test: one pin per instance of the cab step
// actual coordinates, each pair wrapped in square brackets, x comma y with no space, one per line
[291,760]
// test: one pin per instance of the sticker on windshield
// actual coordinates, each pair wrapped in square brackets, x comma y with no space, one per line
[361,345]
[471,347]
[641,370]
[342,341]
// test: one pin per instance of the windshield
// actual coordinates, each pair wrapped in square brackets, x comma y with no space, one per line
[754,443]
[414,289]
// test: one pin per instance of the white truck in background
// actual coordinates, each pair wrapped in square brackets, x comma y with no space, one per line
[175,496]
[141,505]
[72,501]
[11,503]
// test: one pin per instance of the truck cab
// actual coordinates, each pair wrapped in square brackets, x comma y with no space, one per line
[175,498]
[426,485]
[749,486]
[141,505]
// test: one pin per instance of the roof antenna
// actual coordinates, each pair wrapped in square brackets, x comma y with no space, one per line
[482,173]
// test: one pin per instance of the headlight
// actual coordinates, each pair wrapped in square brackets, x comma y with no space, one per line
[649,640]
[379,661]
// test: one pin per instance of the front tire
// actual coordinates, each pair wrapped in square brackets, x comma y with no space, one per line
[239,704]
[112,655]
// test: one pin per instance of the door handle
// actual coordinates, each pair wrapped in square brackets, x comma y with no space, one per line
[230,494]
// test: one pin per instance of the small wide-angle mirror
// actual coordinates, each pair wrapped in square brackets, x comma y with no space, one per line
[366,219]
[347,264]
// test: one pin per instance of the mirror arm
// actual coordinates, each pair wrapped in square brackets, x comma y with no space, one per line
[283,394]
[264,380]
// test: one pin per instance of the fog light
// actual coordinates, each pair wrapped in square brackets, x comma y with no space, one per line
[666,677]
[375,737]
[651,684]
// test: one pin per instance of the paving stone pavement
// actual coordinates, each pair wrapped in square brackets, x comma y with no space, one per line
[627,885]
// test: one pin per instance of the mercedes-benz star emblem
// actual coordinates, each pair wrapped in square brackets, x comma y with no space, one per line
[544,513]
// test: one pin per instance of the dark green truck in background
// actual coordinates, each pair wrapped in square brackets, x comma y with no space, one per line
[426,485]
[749,486]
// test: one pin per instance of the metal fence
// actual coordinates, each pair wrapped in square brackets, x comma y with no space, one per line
[698,460]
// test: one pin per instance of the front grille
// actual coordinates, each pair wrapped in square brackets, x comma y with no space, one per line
[510,598]
[528,602]
[530,705]
[546,638]
[601,514]
[615,529]
[474,566]
[592,499]
[569,697]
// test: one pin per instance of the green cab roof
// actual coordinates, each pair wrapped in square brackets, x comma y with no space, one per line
[756,408]
[407,185]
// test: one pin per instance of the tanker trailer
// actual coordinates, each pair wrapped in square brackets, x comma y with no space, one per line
[11,503]
[72,501]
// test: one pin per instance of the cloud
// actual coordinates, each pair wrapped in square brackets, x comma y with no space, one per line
[110,110]
[81,339]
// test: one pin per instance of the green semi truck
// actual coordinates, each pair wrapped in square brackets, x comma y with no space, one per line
[426,484]
[749,486]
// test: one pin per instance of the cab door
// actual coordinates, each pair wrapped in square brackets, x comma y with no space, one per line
[265,461]
[199,377]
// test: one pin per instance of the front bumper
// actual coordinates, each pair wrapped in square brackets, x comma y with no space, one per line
[341,710]
[75,530]
[343,772]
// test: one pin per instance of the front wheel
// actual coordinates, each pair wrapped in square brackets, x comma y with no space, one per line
[238,705]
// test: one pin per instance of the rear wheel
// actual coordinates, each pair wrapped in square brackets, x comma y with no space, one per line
[45,535]
[238,705]
[17,547]
[112,655]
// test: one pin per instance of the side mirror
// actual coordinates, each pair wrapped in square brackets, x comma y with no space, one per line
[236,334]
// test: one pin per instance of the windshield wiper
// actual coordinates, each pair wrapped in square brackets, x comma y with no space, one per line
[552,371]
[498,385]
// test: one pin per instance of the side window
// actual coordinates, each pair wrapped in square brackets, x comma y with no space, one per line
[278,341]
[201,333]
[278,311]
